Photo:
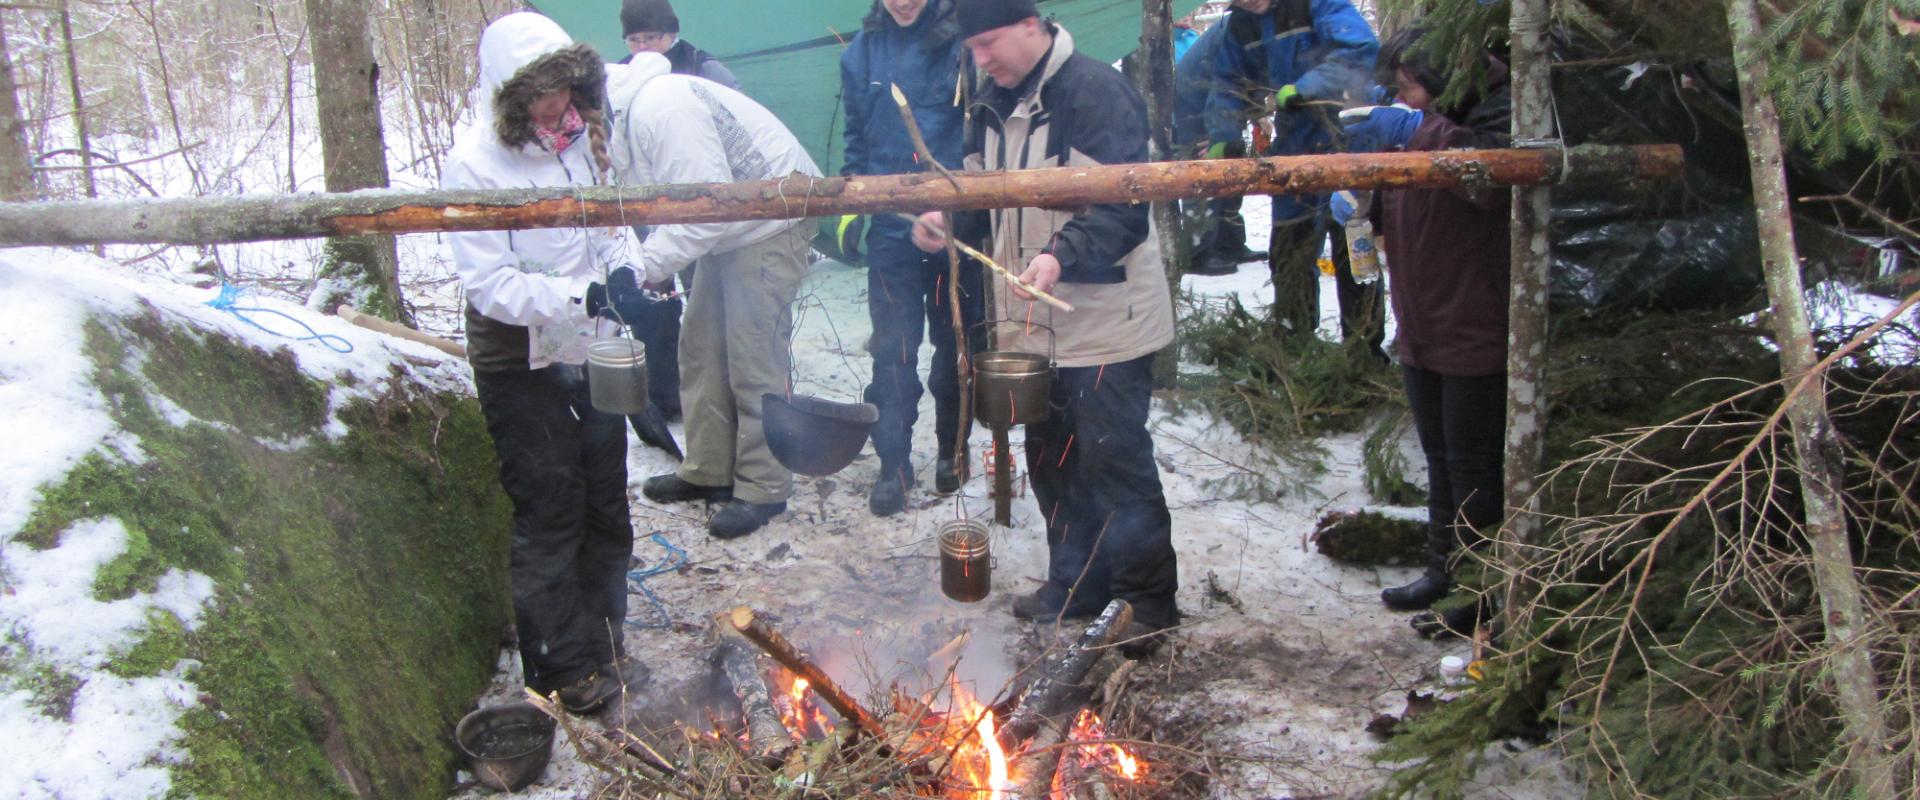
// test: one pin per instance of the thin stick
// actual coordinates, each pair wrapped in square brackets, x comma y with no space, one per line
[963,348]
[920,142]
[1009,277]
[749,624]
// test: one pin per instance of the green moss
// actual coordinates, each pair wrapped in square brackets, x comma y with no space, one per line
[218,379]
[361,581]
[162,646]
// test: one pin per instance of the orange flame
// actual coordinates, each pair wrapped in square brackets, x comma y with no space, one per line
[997,781]
[1093,753]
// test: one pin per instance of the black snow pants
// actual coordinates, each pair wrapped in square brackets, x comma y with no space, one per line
[564,466]
[1462,427]
[1109,533]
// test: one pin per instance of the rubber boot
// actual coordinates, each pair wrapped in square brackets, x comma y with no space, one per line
[1422,593]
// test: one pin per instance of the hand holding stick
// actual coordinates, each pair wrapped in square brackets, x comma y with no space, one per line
[1011,279]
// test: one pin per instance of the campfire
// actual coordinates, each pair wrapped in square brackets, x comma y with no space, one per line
[799,729]
[953,742]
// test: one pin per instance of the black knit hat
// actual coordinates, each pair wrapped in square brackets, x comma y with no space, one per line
[979,16]
[647,16]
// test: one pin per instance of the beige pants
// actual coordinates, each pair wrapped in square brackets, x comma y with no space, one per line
[734,344]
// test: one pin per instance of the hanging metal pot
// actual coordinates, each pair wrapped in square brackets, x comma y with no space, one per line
[1012,387]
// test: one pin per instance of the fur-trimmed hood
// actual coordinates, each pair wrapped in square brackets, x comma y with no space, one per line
[523,56]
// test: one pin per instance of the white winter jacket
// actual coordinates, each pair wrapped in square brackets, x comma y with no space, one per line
[671,128]
[533,278]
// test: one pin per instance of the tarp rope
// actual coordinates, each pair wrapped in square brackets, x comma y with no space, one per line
[637,582]
[230,295]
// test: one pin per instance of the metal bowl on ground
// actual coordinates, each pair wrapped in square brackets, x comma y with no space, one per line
[1011,388]
[813,436]
[508,745]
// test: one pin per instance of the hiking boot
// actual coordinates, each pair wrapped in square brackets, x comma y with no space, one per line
[670,488]
[948,474]
[1139,640]
[1422,593]
[739,518]
[591,693]
[629,672]
[1214,264]
[889,495]
[1458,621]
[1247,254]
[1038,607]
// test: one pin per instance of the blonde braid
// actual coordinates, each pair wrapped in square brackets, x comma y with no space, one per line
[597,141]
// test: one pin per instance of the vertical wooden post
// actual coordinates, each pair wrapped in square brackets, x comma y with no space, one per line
[16,167]
[1156,79]
[1531,253]
[1816,447]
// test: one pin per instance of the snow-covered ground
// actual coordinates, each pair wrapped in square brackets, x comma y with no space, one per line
[122,733]
[1288,679]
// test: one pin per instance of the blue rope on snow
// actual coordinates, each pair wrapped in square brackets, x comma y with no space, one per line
[229,294]
[637,579]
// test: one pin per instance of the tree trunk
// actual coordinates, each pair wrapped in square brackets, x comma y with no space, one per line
[1530,254]
[1156,73]
[16,167]
[1816,446]
[201,220]
[361,271]
[79,103]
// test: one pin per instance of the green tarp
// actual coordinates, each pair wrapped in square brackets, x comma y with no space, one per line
[787,52]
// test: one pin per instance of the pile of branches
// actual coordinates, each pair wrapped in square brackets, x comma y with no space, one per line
[909,744]
[1665,629]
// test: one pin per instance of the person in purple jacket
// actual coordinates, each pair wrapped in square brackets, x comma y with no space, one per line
[1447,262]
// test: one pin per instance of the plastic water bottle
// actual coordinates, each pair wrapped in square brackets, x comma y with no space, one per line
[1361,251]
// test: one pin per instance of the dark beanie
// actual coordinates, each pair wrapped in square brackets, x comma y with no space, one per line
[647,16]
[979,16]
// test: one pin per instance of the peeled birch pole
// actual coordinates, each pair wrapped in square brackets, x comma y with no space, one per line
[222,220]
[963,348]
[1530,254]
[1816,447]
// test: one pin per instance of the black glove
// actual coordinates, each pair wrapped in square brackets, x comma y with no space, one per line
[850,231]
[622,300]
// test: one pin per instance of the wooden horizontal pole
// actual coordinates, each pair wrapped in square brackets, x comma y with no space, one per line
[252,218]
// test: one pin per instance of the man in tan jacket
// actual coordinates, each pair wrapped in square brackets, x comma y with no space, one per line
[1109,534]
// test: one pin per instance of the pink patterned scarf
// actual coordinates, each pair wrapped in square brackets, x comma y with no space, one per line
[558,139]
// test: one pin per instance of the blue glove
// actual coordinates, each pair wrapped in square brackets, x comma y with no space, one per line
[1379,95]
[1342,205]
[622,300]
[1387,128]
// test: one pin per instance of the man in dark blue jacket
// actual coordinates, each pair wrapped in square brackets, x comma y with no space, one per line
[1301,58]
[1220,246]
[915,45]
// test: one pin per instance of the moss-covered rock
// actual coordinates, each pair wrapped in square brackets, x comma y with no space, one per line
[360,577]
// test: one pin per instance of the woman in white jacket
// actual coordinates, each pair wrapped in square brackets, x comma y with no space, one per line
[533,301]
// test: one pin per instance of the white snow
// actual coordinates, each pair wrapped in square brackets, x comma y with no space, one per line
[121,734]
[1309,658]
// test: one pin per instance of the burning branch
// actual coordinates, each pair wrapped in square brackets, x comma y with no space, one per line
[748,624]
[766,737]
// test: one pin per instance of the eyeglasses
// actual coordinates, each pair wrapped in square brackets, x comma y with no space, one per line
[647,39]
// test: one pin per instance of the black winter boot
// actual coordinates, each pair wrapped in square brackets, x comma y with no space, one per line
[1419,594]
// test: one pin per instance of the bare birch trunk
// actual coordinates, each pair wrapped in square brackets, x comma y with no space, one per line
[1531,253]
[1815,445]
[1156,74]
[16,167]
[360,271]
